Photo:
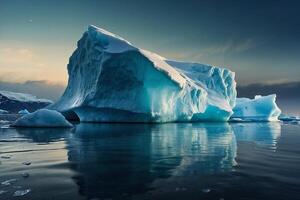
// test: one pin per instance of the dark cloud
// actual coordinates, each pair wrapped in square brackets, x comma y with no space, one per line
[283,90]
[41,89]
[288,94]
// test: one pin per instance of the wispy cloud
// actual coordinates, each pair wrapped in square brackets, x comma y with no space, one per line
[231,46]
[224,48]
[20,56]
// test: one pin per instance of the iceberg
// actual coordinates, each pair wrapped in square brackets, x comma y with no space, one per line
[288,118]
[110,80]
[261,108]
[23,112]
[42,118]
[13,102]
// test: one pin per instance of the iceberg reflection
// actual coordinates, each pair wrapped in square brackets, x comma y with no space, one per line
[116,159]
[261,133]
[119,160]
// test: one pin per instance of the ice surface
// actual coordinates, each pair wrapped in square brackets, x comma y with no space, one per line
[42,118]
[110,80]
[261,108]
[23,112]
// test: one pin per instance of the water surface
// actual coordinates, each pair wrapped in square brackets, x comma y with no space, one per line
[148,161]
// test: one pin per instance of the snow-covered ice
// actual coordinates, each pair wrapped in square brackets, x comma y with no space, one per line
[261,108]
[110,80]
[42,118]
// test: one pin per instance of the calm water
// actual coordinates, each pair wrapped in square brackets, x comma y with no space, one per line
[140,161]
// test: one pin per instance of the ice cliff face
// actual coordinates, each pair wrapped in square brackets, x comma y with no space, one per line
[110,80]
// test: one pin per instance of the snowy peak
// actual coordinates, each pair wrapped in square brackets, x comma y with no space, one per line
[108,41]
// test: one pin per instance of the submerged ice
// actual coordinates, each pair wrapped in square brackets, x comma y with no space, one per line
[110,80]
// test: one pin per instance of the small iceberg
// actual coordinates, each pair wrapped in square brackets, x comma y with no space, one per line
[9,182]
[23,112]
[43,118]
[288,118]
[3,111]
[19,193]
[261,108]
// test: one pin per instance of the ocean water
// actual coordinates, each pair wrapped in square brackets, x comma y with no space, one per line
[151,161]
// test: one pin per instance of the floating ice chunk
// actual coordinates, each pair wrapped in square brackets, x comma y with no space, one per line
[25,175]
[43,118]
[19,193]
[2,191]
[261,108]
[284,117]
[206,190]
[9,182]
[3,111]
[234,119]
[23,112]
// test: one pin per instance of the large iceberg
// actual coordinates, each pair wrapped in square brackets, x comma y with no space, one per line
[110,80]
[261,108]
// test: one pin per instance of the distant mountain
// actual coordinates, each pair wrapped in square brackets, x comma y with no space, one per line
[13,102]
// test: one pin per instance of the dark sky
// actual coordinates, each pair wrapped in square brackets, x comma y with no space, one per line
[259,40]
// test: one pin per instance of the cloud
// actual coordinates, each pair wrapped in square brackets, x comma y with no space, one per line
[41,89]
[224,48]
[232,46]
[19,57]
[288,90]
